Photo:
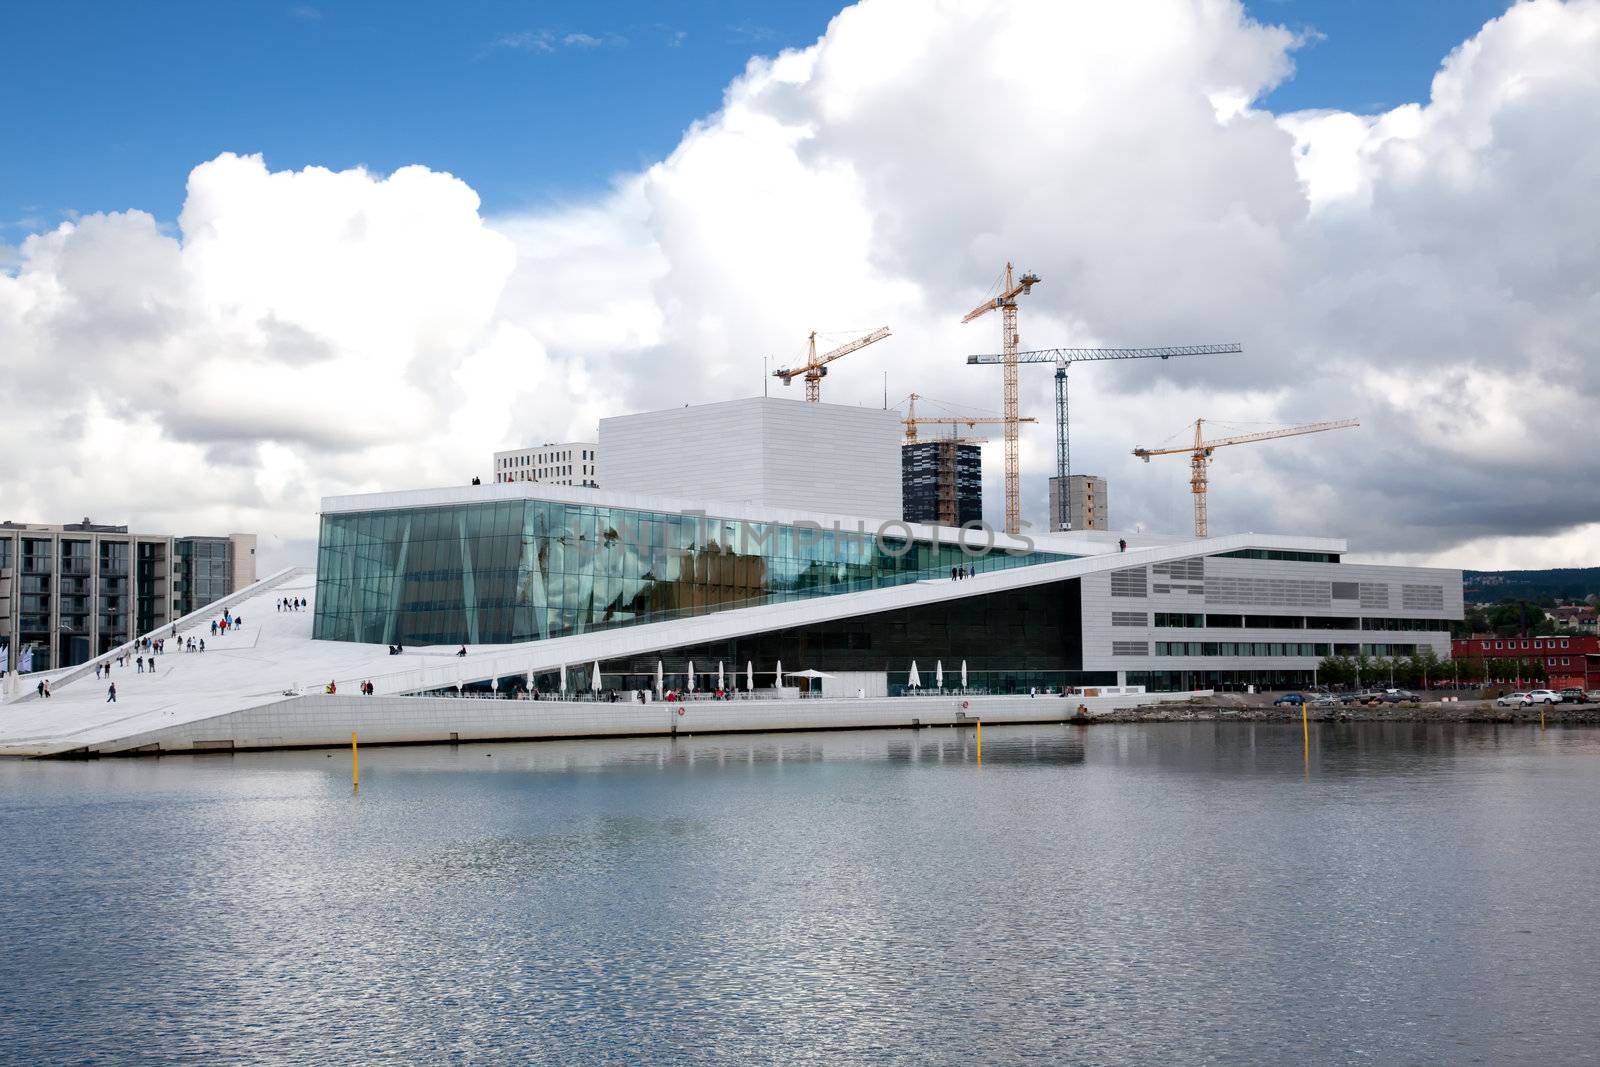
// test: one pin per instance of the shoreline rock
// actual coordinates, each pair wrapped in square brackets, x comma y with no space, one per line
[1476,711]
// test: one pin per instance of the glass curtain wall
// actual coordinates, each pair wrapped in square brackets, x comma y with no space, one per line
[524,570]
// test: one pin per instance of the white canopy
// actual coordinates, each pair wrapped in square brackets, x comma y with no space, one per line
[563,686]
[963,674]
[779,675]
[915,681]
[721,682]
[938,674]
[809,673]
[594,677]
[661,683]
[691,676]
[749,676]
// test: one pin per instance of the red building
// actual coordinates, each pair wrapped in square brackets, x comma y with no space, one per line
[1569,660]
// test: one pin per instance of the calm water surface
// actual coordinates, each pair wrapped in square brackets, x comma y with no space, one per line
[1141,894]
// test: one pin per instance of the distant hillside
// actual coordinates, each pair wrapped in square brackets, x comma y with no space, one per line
[1561,583]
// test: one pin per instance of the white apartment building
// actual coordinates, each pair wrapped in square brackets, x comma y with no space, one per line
[564,463]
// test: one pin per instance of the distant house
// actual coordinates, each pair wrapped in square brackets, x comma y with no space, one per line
[1579,617]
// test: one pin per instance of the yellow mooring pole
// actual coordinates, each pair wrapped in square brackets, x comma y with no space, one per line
[980,742]
[1305,730]
[355,765]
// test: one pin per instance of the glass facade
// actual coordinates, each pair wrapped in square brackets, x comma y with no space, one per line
[204,572]
[524,570]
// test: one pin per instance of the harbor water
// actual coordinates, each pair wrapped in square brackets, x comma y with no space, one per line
[1174,893]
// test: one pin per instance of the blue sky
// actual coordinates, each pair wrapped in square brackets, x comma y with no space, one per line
[107,106]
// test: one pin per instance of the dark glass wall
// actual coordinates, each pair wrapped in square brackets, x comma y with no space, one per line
[1010,641]
[522,570]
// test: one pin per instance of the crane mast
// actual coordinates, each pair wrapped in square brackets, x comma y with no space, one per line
[1006,301]
[1200,455]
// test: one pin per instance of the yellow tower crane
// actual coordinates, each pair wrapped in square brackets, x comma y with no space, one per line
[945,486]
[1200,456]
[1006,301]
[815,368]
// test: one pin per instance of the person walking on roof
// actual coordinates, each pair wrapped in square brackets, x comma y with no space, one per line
[111,693]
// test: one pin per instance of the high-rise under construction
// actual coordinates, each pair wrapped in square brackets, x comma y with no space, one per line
[941,482]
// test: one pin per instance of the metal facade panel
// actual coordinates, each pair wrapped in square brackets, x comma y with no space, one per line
[762,451]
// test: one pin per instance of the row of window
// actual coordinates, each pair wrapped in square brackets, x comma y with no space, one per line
[1242,648]
[1281,554]
[1198,621]
[1547,643]
[1270,648]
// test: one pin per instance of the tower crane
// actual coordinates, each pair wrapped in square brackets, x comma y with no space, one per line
[1006,301]
[1200,456]
[1064,358]
[815,368]
[946,506]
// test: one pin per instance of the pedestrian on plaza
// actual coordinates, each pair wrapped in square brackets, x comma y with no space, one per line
[40,689]
[97,668]
[47,689]
[213,627]
[111,693]
[140,661]
[1122,545]
[202,644]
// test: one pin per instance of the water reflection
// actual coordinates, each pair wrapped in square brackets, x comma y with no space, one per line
[1129,894]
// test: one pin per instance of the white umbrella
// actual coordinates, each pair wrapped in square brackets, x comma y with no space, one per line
[594,679]
[915,681]
[661,684]
[721,684]
[938,674]
[779,675]
[963,674]
[563,686]
[494,684]
[749,675]
[691,676]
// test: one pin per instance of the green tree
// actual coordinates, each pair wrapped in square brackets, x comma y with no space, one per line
[1336,670]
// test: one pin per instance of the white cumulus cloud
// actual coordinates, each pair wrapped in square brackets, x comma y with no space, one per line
[1430,270]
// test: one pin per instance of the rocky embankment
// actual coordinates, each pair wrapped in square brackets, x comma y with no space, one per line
[1226,709]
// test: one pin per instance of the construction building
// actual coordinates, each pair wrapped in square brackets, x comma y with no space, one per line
[1090,507]
[557,463]
[941,482]
[73,591]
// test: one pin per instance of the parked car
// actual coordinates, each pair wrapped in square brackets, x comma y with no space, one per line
[1572,695]
[1292,699]
[1324,700]
[1592,696]
[1358,698]
[1513,700]
[1543,696]
[1398,696]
